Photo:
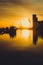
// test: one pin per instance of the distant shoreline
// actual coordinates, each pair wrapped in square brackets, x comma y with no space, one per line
[25,28]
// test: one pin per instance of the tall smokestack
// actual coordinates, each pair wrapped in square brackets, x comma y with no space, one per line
[35,21]
[35,33]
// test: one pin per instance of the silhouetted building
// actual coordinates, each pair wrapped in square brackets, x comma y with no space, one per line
[35,22]
[1,30]
[37,29]
[40,29]
[11,31]
[35,33]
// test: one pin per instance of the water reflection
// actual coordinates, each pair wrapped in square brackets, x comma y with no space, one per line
[24,38]
[40,32]
[25,33]
[21,38]
[35,36]
[37,33]
[37,29]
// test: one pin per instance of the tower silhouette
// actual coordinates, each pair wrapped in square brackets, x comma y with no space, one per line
[35,26]
[35,22]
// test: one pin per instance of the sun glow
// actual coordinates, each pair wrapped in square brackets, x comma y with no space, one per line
[25,23]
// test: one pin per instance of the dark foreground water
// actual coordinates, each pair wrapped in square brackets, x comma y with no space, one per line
[26,47]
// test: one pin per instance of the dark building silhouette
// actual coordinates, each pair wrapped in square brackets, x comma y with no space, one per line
[40,29]
[35,33]
[1,30]
[37,29]
[11,31]
[35,23]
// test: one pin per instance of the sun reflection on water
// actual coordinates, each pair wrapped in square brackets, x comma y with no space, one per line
[25,33]
[22,40]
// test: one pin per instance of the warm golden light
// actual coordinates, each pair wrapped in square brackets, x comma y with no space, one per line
[25,23]
[25,33]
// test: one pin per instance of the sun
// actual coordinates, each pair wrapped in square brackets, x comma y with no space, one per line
[25,23]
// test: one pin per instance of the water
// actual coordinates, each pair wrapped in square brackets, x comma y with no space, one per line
[25,46]
[24,40]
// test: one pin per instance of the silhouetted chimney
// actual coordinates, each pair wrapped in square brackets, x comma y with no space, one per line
[34,18]
[35,21]
[35,25]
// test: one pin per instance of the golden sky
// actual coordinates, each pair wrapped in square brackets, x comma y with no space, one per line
[13,11]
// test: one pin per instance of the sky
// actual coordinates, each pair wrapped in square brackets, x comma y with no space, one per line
[12,11]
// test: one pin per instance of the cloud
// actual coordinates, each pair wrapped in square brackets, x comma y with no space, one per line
[21,1]
[27,3]
[8,7]
[17,2]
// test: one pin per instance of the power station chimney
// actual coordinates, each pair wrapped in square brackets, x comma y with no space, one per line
[35,27]
[35,21]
